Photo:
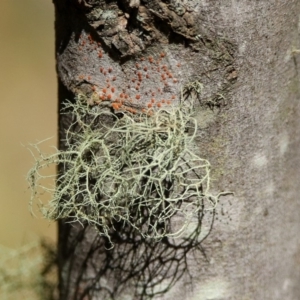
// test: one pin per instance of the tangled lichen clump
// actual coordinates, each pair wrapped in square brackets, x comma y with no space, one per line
[137,170]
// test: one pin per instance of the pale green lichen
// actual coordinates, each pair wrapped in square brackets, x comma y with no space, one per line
[138,170]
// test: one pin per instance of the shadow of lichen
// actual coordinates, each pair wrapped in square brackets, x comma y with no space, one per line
[135,268]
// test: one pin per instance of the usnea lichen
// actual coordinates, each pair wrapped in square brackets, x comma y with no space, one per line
[138,170]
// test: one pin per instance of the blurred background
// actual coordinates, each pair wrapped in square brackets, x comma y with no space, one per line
[28,113]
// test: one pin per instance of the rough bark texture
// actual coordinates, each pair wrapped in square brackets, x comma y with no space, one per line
[243,52]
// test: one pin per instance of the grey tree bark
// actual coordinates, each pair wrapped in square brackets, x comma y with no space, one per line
[245,55]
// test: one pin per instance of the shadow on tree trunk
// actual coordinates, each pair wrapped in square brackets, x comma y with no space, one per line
[150,268]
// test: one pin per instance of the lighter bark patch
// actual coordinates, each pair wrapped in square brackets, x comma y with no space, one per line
[283,144]
[259,160]
[215,289]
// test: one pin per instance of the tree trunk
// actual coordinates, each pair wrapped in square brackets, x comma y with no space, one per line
[242,56]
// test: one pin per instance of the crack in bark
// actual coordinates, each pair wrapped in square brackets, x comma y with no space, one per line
[130,26]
